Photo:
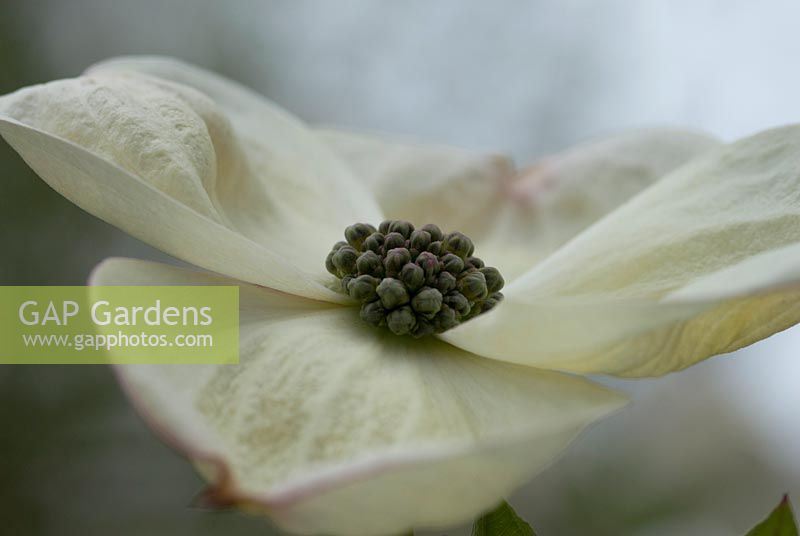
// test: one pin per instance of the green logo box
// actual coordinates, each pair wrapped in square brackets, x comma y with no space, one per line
[119,324]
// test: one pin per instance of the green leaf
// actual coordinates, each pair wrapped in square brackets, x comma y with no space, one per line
[779,523]
[502,521]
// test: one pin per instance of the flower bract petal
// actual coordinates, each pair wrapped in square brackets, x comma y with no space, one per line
[194,165]
[704,262]
[328,426]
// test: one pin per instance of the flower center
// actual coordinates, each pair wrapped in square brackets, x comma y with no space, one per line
[413,281]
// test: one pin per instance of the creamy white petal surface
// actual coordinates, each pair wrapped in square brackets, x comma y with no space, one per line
[703,262]
[329,426]
[563,194]
[218,161]
[515,218]
[454,188]
[300,196]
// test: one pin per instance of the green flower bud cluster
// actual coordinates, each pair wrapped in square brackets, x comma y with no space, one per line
[413,281]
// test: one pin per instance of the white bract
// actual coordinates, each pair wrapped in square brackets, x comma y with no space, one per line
[636,255]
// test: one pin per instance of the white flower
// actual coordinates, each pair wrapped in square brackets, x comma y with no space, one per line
[329,426]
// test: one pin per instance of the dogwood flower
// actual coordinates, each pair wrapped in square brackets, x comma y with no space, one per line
[636,255]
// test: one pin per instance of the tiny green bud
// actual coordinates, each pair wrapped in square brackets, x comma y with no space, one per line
[374,242]
[427,301]
[383,228]
[494,281]
[423,328]
[357,233]
[401,321]
[420,240]
[458,244]
[435,248]
[405,228]
[457,302]
[395,260]
[473,286]
[429,264]
[362,288]
[452,263]
[490,302]
[329,263]
[445,319]
[373,313]
[338,245]
[345,260]
[445,282]
[413,276]
[392,293]
[473,312]
[475,262]
[434,231]
[393,240]
[346,283]
[369,262]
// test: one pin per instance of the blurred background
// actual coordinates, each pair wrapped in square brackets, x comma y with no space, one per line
[704,452]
